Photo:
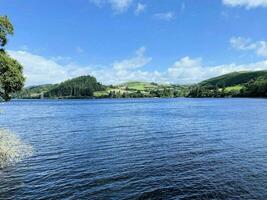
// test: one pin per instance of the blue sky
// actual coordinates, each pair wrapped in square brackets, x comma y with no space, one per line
[177,41]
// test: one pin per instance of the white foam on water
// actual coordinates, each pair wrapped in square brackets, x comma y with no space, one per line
[12,149]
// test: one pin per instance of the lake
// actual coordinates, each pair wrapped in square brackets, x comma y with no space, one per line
[138,149]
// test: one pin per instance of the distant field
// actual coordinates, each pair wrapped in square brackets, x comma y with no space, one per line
[128,87]
[233,88]
[134,85]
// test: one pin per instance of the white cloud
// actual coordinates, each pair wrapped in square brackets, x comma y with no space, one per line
[246,44]
[140,8]
[118,6]
[113,76]
[262,48]
[24,48]
[167,16]
[241,43]
[246,3]
[188,70]
[61,59]
[133,63]
[40,70]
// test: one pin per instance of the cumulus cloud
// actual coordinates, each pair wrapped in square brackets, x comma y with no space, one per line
[186,70]
[167,16]
[138,61]
[246,44]
[189,70]
[246,3]
[61,58]
[140,8]
[119,6]
[40,70]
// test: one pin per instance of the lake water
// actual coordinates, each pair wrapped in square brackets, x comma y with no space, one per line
[138,149]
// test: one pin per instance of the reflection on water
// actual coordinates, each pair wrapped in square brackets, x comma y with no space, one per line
[12,149]
[138,149]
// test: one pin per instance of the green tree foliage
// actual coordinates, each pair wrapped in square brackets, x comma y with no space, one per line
[80,87]
[11,77]
[6,28]
[256,88]
[200,91]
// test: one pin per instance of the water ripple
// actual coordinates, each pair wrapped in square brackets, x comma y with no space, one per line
[138,149]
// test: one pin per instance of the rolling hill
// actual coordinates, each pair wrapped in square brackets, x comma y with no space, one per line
[236,84]
[232,79]
[80,87]
[33,92]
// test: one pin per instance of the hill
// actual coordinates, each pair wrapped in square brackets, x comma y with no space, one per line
[142,86]
[136,89]
[236,84]
[232,79]
[80,87]
[88,87]
[33,92]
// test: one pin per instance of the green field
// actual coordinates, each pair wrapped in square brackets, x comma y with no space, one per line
[135,85]
[233,88]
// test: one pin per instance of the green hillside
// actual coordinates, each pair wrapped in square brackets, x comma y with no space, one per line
[140,90]
[237,84]
[231,79]
[80,87]
[142,86]
[33,92]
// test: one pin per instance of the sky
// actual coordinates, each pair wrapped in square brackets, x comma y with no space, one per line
[164,41]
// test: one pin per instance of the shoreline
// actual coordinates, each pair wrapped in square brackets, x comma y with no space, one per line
[48,99]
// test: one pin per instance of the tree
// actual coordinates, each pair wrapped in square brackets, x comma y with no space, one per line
[6,28]
[11,77]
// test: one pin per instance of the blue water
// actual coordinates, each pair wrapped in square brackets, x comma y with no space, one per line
[138,149]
